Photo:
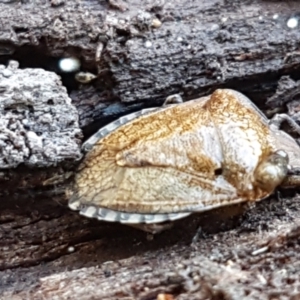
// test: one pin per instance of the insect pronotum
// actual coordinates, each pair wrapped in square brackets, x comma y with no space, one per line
[163,164]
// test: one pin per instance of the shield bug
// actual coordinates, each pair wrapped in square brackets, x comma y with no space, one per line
[163,164]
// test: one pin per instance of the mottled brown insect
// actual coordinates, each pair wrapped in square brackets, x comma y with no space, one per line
[85,77]
[163,164]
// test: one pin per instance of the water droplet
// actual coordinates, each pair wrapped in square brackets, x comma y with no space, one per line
[71,249]
[69,64]
[179,39]
[275,16]
[292,22]
[148,44]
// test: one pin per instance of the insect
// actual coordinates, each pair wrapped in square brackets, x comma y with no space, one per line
[85,77]
[163,164]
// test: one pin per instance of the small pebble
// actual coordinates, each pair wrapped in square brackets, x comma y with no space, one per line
[71,249]
[292,22]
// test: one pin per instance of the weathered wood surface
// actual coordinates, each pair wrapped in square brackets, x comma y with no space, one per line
[38,127]
[199,47]
[48,252]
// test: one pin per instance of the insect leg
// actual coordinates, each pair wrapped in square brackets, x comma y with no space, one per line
[278,119]
[292,179]
[153,228]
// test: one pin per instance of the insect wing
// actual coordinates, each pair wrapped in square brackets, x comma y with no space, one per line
[163,164]
[245,137]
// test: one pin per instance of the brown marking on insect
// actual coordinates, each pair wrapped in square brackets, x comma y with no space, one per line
[164,164]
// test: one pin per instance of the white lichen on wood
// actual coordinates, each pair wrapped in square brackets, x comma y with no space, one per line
[38,124]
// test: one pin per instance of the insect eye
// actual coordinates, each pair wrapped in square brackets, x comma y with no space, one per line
[272,170]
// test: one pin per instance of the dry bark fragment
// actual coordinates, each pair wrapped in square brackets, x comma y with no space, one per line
[38,123]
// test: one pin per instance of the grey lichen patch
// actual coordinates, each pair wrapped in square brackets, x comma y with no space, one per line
[38,124]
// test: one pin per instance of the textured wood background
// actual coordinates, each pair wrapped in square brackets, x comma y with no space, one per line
[49,252]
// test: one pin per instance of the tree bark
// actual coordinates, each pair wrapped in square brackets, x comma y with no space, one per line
[141,52]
